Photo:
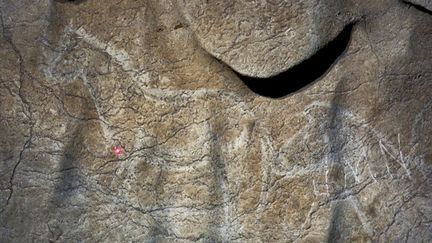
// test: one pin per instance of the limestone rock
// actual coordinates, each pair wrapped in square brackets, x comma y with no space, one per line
[346,158]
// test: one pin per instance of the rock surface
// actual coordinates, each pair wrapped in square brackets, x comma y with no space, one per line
[347,158]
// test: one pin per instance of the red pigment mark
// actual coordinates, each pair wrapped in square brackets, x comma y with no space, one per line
[118,150]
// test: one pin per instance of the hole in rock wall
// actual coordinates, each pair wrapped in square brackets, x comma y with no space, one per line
[418,7]
[303,73]
[70,1]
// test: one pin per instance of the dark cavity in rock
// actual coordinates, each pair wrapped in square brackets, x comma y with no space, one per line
[302,74]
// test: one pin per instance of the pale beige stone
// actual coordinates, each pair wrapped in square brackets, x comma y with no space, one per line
[345,159]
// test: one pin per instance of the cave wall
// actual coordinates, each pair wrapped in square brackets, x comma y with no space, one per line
[345,157]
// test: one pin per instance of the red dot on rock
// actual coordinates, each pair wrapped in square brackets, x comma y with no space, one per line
[118,150]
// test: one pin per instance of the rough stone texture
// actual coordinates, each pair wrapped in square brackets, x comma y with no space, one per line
[246,34]
[346,159]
